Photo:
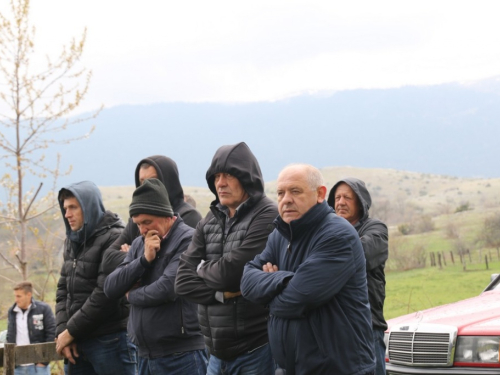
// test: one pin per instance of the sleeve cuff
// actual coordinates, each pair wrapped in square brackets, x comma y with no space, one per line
[219,296]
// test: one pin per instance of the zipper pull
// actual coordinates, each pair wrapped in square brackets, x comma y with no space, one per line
[182,329]
[74,263]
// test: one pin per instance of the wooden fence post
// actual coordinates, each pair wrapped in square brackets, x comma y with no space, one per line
[12,355]
[452,259]
[444,259]
[486,261]
[9,359]
[439,260]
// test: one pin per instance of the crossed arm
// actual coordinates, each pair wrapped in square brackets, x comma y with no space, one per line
[290,294]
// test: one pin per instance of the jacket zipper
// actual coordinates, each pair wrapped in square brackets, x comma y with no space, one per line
[73,273]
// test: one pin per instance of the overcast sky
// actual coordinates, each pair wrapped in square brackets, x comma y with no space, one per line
[231,51]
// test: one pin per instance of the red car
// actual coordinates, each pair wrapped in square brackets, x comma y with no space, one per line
[461,338]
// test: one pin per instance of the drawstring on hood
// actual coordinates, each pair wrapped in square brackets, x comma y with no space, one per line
[239,161]
[359,189]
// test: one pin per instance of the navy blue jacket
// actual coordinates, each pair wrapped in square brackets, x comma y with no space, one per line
[160,323]
[41,323]
[320,319]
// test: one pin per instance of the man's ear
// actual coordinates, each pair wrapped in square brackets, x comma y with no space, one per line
[321,194]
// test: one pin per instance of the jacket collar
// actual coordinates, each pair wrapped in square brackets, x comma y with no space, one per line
[310,220]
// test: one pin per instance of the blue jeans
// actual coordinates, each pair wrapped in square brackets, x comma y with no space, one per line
[255,362]
[32,370]
[185,363]
[378,338]
[105,355]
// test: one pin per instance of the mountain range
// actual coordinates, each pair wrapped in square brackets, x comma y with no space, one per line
[449,129]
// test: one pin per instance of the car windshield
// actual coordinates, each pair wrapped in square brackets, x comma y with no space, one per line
[495,283]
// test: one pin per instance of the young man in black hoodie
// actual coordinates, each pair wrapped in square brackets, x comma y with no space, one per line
[351,200]
[90,328]
[232,233]
[164,327]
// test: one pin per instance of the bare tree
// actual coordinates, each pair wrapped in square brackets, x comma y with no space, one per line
[35,104]
[490,233]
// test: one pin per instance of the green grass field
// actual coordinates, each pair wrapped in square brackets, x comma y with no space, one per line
[421,289]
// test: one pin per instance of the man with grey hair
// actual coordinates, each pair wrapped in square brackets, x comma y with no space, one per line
[312,276]
[351,200]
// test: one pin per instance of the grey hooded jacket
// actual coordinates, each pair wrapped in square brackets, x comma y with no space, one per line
[375,239]
[81,305]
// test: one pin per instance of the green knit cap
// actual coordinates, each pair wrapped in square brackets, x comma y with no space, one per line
[151,198]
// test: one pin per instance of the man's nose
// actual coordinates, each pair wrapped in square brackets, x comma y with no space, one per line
[222,181]
[287,197]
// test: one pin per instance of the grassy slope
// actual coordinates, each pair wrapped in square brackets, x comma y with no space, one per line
[421,289]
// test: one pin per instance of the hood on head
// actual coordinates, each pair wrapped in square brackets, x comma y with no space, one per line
[89,197]
[359,189]
[168,174]
[240,162]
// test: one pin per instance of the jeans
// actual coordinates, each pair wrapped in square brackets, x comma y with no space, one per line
[378,338]
[32,370]
[185,363]
[255,362]
[104,355]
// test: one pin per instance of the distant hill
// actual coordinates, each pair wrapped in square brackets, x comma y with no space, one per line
[446,213]
[448,129]
[398,196]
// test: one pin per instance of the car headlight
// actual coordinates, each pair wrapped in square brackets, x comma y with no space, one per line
[477,349]
[386,342]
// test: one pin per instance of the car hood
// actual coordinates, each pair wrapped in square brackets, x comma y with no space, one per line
[474,316]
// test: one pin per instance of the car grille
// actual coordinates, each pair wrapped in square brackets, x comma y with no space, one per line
[422,344]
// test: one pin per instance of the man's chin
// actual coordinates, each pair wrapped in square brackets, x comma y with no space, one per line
[288,218]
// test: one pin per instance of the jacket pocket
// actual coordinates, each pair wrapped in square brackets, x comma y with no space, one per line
[317,335]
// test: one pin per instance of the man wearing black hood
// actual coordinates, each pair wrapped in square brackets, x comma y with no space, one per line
[90,327]
[165,170]
[210,270]
[351,200]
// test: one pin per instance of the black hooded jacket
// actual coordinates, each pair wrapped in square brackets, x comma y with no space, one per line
[168,174]
[231,326]
[81,305]
[375,239]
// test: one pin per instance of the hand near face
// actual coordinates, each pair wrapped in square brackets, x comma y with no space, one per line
[268,267]
[151,245]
